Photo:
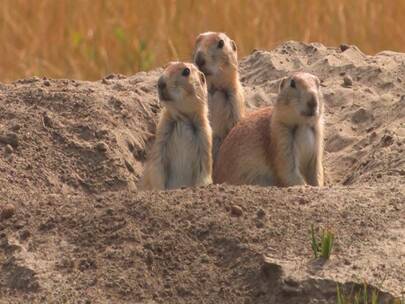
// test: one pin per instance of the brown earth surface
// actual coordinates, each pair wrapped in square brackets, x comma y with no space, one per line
[74,228]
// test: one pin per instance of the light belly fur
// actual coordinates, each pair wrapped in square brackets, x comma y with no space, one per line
[182,146]
[304,145]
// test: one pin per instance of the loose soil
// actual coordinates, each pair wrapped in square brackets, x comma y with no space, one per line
[75,229]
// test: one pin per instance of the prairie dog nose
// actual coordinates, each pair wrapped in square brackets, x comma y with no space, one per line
[199,60]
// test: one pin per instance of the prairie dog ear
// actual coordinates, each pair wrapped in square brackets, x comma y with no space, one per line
[200,37]
[202,77]
[233,44]
[170,63]
[283,83]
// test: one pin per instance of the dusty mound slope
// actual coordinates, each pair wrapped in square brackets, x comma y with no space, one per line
[72,153]
[72,136]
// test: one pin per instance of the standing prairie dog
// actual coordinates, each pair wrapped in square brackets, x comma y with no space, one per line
[181,154]
[215,54]
[282,146]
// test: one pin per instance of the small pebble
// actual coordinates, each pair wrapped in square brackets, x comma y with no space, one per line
[347,81]
[9,138]
[15,127]
[25,234]
[9,149]
[236,210]
[205,258]
[260,213]
[7,211]
[102,147]
[302,201]
[47,83]
[129,167]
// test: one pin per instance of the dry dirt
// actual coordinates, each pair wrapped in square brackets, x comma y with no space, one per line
[74,228]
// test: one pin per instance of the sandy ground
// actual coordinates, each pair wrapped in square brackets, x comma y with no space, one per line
[74,228]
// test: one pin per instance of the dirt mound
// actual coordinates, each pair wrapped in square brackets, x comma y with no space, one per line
[67,136]
[74,228]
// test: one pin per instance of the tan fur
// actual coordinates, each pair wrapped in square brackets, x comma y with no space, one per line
[181,154]
[225,93]
[281,146]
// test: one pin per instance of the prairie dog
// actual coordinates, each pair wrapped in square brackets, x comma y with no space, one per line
[181,155]
[282,146]
[215,54]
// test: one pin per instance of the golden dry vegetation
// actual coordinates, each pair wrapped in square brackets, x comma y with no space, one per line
[87,39]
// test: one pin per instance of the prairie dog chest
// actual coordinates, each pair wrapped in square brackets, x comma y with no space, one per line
[305,144]
[219,112]
[183,150]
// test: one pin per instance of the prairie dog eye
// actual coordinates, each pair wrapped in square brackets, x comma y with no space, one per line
[292,83]
[186,72]
[221,44]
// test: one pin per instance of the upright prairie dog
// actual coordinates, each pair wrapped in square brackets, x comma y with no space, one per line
[215,54]
[181,155]
[282,146]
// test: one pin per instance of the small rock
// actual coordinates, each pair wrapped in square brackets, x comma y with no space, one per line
[86,264]
[205,259]
[236,210]
[344,47]
[260,213]
[47,83]
[7,211]
[347,81]
[259,224]
[9,149]
[129,167]
[303,201]
[9,138]
[24,234]
[183,291]
[102,147]
[18,225]
[387,140]
[15,127]
[46,120]
[361,116]
[272,269]
[105,81]
[101,133]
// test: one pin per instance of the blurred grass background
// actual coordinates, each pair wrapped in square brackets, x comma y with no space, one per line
[87,39]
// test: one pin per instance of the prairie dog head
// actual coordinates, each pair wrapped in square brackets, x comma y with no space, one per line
[182,88]
[215,53]
[300,98]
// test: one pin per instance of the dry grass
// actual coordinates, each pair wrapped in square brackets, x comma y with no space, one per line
[87,39]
